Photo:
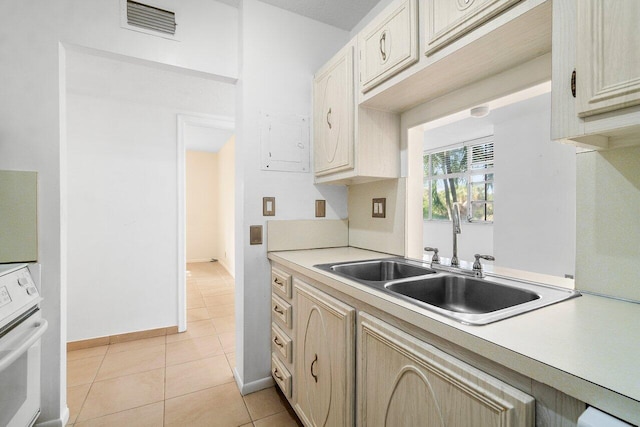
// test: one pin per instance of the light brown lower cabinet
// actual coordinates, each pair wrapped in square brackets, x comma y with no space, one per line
[324,358]
[403,381]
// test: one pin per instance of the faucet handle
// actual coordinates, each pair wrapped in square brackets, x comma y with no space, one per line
[435,259]
[477,266]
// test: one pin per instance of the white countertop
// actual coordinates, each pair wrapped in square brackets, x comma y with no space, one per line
[587,347]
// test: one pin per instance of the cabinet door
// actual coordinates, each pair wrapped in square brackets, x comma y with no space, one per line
[389,44]
[608,55]
[324,358]
[333,106]
[448,20]
[403,381]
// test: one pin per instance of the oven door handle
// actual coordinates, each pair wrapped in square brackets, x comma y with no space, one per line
[13,355]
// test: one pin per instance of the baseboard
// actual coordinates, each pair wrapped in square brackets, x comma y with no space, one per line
[224,264]
[113,339]
[58,422]
[199,260]
[253,386]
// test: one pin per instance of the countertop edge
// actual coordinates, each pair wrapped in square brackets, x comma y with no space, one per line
[580,388]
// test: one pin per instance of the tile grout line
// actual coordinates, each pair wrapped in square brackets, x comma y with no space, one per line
[93,380]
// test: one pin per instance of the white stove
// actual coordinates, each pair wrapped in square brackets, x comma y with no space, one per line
[21,329]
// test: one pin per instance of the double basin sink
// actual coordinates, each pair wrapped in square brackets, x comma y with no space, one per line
[459,296]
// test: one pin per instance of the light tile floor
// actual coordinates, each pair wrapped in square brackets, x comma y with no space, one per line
[177,380]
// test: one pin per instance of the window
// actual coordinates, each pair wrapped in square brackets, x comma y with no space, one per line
[464,174]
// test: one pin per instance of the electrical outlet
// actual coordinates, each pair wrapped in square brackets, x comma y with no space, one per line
[255,234]
[268,206]
[379,208]
[321,208]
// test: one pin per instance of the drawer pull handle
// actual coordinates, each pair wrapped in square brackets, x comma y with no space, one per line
[383,42]
[277,282]
[278,309]
[277,341]
[315,377]
[277,374]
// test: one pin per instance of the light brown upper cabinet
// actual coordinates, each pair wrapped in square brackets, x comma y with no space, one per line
[333,110]
[351,144]
[608,55]
[447,20]
[596,73]
[389,44]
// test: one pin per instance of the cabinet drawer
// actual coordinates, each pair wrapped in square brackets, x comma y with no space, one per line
[281,343]
[281,375]
[281,310]
[447,20]
[281,282]
[389,44]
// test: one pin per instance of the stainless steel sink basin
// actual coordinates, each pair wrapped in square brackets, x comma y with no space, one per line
[380,270]
[463,294]
[459,296]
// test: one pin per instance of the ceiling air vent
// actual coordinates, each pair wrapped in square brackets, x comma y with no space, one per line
[151,18]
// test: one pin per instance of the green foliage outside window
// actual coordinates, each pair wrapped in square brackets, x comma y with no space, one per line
[460,175]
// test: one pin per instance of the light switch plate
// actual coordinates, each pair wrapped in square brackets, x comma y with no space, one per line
[268,206]
[255,234]
[379,208]
[321,208]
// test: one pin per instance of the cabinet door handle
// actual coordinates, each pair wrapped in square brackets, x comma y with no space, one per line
[329,118]
[383,47]
[315,377]
[277,374]
[277,282]
[573,83]
[278,309]
[277,341]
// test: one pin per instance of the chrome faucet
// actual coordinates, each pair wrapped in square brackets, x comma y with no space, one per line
[455,220]
[435,259]
[477,266]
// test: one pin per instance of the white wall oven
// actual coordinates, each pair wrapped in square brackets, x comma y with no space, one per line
[21,329]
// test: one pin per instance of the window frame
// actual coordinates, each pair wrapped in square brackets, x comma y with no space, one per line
[428,180]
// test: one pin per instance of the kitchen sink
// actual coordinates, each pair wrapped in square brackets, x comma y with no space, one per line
[463,294]
[380,270]
[457,295]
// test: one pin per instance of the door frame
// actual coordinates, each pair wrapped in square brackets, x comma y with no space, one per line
[183,121]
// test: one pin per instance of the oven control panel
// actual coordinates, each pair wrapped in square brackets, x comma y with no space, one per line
[17,291]
[5,298]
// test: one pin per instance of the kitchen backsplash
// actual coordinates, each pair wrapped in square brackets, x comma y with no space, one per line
[374,233]
[608,222]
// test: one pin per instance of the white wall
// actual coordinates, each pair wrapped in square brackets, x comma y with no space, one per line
[122,191]
[32,122]
[226,206]
[280,52]
[608,228]
[534,222]
[535,199]
[202,190]
[207,34]
[32,138]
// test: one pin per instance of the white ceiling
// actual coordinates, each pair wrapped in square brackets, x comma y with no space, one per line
[339,13]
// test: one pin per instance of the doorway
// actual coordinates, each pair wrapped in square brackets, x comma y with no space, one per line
[206,197]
